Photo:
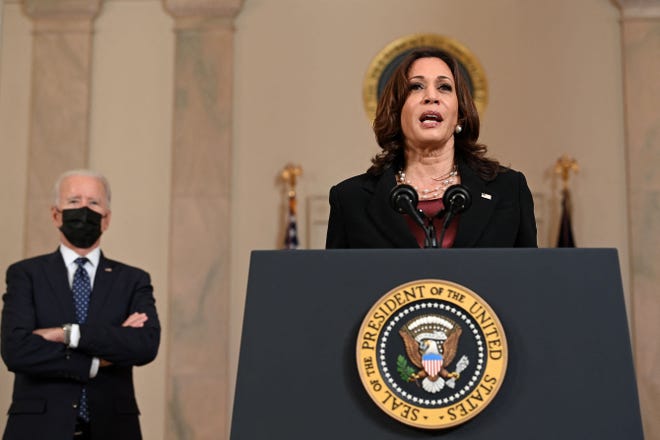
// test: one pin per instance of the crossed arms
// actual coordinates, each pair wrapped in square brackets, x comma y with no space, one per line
[124,333]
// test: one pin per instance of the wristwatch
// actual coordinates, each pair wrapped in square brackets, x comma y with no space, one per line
[67,334]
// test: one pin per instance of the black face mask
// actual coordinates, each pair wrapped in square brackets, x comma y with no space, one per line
[81,226]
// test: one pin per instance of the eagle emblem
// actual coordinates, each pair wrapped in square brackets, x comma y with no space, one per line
[431,342]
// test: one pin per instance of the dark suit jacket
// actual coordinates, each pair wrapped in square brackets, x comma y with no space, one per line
[361,215]
[48,375]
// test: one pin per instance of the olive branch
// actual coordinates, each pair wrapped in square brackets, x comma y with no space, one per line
[406,372]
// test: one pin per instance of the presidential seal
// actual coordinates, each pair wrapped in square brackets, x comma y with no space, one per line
[431,354]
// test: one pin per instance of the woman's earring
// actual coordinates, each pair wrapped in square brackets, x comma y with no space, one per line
[458,129]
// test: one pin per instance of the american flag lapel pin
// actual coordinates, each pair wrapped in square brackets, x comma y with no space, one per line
[486,196]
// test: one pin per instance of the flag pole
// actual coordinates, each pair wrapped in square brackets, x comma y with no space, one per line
[290,175]
[563,167]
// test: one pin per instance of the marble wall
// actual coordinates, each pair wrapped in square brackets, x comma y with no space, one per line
[199,212]
[641,49]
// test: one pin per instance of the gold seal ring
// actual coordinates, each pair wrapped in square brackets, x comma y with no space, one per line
[388,59]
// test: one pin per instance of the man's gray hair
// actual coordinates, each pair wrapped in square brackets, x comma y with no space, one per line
[82,172]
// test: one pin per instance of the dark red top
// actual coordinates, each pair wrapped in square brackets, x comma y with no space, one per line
[431,208]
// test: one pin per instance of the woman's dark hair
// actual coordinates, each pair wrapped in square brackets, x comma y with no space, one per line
[387,124]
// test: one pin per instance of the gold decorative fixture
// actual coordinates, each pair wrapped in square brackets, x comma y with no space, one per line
[290,175]
[563,167]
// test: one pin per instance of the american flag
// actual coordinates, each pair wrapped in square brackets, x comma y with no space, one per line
[565,237]
[291,237]
[564,167]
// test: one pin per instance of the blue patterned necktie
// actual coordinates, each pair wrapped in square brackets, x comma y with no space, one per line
[82,290]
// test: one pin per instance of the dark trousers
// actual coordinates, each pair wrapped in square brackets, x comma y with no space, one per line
[82,431]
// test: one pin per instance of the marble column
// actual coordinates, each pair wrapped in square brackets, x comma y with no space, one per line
[200,223]
[641,67]
[60,106]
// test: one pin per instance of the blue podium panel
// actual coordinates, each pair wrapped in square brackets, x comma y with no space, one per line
[570,373]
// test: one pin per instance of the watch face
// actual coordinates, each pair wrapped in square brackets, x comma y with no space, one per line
[67,334]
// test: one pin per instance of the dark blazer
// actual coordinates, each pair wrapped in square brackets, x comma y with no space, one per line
[48,375]
[501,215]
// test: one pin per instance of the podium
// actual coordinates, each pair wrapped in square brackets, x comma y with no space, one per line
[570,372]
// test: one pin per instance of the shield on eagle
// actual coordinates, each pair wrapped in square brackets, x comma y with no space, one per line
[432,363]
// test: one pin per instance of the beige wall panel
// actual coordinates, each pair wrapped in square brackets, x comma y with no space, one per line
[555,87]
[641,72]
[130,142]
[15,56]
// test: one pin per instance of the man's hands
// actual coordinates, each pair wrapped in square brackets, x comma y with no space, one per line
[56,334]
[136,320]
[52,334]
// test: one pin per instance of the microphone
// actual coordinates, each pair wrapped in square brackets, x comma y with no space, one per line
[404,199]
[456,199]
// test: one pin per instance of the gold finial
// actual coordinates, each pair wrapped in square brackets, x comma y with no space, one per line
[564,166]
[290,174]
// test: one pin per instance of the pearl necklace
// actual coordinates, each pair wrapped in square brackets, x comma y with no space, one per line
[431,193]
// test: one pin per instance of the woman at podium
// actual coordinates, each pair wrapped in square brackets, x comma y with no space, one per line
[432,184]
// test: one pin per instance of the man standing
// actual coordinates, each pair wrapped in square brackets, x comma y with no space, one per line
[74,324]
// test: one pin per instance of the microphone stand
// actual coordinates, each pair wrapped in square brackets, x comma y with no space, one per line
[431,240]
[445,224]
[426,223]
[404,198]
[455,200]
[418,216]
